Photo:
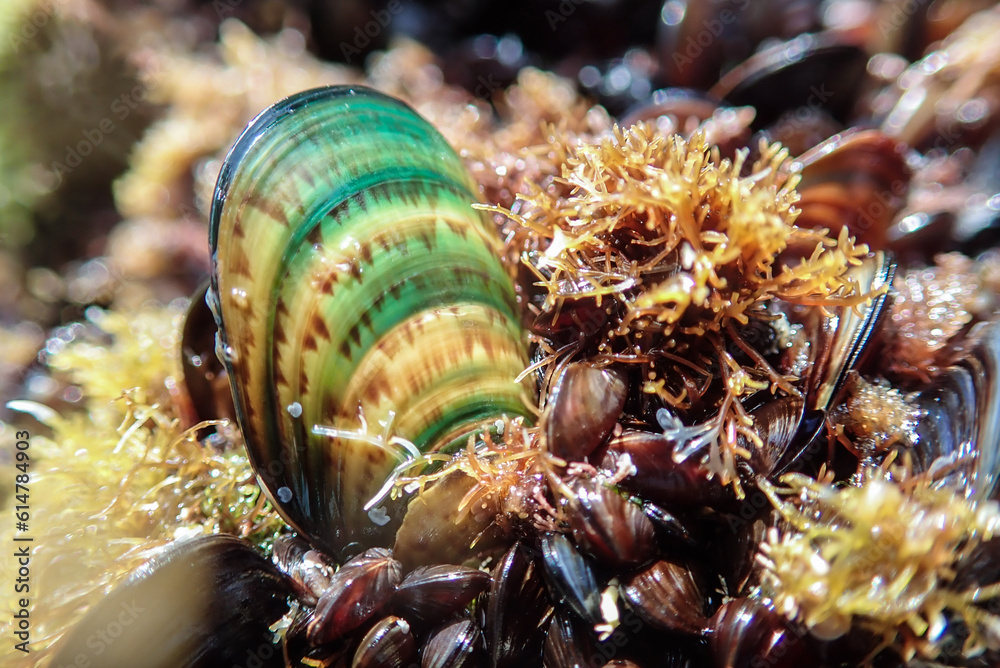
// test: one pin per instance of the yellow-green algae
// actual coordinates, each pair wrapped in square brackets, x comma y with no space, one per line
[122,477]
[678,250]
[882,556]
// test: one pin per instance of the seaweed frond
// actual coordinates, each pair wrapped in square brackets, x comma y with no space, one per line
[662,253]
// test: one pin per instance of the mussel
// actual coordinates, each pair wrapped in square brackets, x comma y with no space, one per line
[745,632]
[858,179]
[821,71]
[202,603]
[957,436]
[364,315]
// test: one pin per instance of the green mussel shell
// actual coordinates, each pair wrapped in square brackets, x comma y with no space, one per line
[352,277]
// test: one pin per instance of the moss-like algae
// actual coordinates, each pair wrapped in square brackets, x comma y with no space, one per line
[115,481]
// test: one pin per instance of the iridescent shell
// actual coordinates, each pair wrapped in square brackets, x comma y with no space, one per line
[354,284]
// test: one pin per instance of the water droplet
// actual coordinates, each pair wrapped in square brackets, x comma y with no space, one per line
[618,79]
[228,352]
[509,50]
[673,12]
[379,516]
[213,303]
[667,420]
[239,296]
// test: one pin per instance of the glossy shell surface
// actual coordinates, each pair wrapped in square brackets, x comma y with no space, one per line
[354,284]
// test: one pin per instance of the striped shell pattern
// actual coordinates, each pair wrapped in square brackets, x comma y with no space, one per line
[354,284]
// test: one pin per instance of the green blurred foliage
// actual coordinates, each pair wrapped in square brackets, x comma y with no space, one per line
[72,108]
[18,191]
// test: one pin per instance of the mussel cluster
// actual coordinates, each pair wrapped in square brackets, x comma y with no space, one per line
[699,390]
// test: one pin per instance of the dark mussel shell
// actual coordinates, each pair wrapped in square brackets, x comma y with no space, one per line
[431,594]
[823,354]
[745,633]
[682,111]
[958,432]
[518,611]
[456,645]
[680,104]
[204,603]
[666,595]
[838,343]
[389,644]
[669,529]
[689,53]
[777,423]
[697,39]
[608,526]
[584,404]
[737,539]
[814,71]
[857,179]
[658,478]
[571,577]
[569,643]
[802,130]
[205,378]
[361,588]
[643,644]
